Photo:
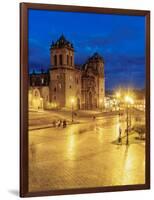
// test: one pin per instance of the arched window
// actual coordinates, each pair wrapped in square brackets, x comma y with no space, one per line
[67,59]
[71,61]
[55,60]
[60,85]
[55,89]
[60,59]
[36,94]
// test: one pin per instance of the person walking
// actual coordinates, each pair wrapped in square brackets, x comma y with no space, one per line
[119,139]
[64,123]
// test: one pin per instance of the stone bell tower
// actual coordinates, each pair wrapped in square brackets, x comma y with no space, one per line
[93,90]
[62,72]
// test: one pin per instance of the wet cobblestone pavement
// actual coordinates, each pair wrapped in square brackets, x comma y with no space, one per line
[84,155]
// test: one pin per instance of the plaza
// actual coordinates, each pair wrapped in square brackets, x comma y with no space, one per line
[85,153]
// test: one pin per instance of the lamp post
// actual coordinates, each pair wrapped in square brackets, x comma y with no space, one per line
[72,104]
[129,101]
[131,104]
[118,95]
[127,138]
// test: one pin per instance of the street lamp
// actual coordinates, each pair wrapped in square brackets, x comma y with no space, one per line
[72,104]
[129,101]
[118,95]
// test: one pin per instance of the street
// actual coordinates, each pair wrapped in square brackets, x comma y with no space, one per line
[84,155]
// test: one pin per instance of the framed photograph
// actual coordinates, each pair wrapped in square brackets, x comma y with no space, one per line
[85,99]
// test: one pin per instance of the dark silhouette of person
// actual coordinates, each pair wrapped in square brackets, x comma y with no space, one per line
[64,123]
[119,139]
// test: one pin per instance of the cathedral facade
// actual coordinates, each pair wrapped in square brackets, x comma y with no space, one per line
[66,84]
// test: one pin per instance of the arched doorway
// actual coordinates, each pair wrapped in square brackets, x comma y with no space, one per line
[90,101]
[37,101]
[78,103]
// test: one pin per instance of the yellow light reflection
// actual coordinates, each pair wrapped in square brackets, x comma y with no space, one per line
[71,144]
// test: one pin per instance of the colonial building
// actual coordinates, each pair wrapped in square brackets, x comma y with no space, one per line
[67,85]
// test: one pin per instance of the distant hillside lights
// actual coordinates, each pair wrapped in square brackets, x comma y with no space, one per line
[65,81]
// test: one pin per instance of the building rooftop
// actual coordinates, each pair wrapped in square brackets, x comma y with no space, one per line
[96,57]
[62,42]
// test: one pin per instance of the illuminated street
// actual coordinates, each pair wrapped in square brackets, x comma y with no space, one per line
[84,155]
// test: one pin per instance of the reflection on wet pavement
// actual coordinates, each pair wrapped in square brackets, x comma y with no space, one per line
[83,155]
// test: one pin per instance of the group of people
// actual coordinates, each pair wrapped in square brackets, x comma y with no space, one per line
[60,123]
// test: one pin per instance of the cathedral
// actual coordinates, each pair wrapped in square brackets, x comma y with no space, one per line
[67,85]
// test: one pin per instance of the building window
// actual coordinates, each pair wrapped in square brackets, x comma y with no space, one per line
[70,86]
[60,85]
[71,61]
[71,78]
[55,89]
[60,59]
[67,59]
[55,60]
[36,94]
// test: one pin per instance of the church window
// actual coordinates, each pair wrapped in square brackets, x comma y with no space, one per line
[55,89]
[60,59]
[60,85]
[71,61]
[67,59]
[36,94]
[55,60]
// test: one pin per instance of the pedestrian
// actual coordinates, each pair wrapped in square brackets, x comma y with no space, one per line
[119,139]
[59,123]
[64,124]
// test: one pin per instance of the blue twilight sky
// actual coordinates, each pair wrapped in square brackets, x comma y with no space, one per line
[119,39]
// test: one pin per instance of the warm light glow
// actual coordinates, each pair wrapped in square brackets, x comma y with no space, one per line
[129,99]
[72,100]
[118,95]
[101,100]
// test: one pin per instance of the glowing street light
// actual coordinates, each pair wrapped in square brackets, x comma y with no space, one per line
[129,100]
[118,95]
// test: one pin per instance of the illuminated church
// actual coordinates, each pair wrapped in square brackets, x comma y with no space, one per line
[67,85]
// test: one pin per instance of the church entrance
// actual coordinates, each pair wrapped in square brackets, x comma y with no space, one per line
[90,101]
[78,103]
